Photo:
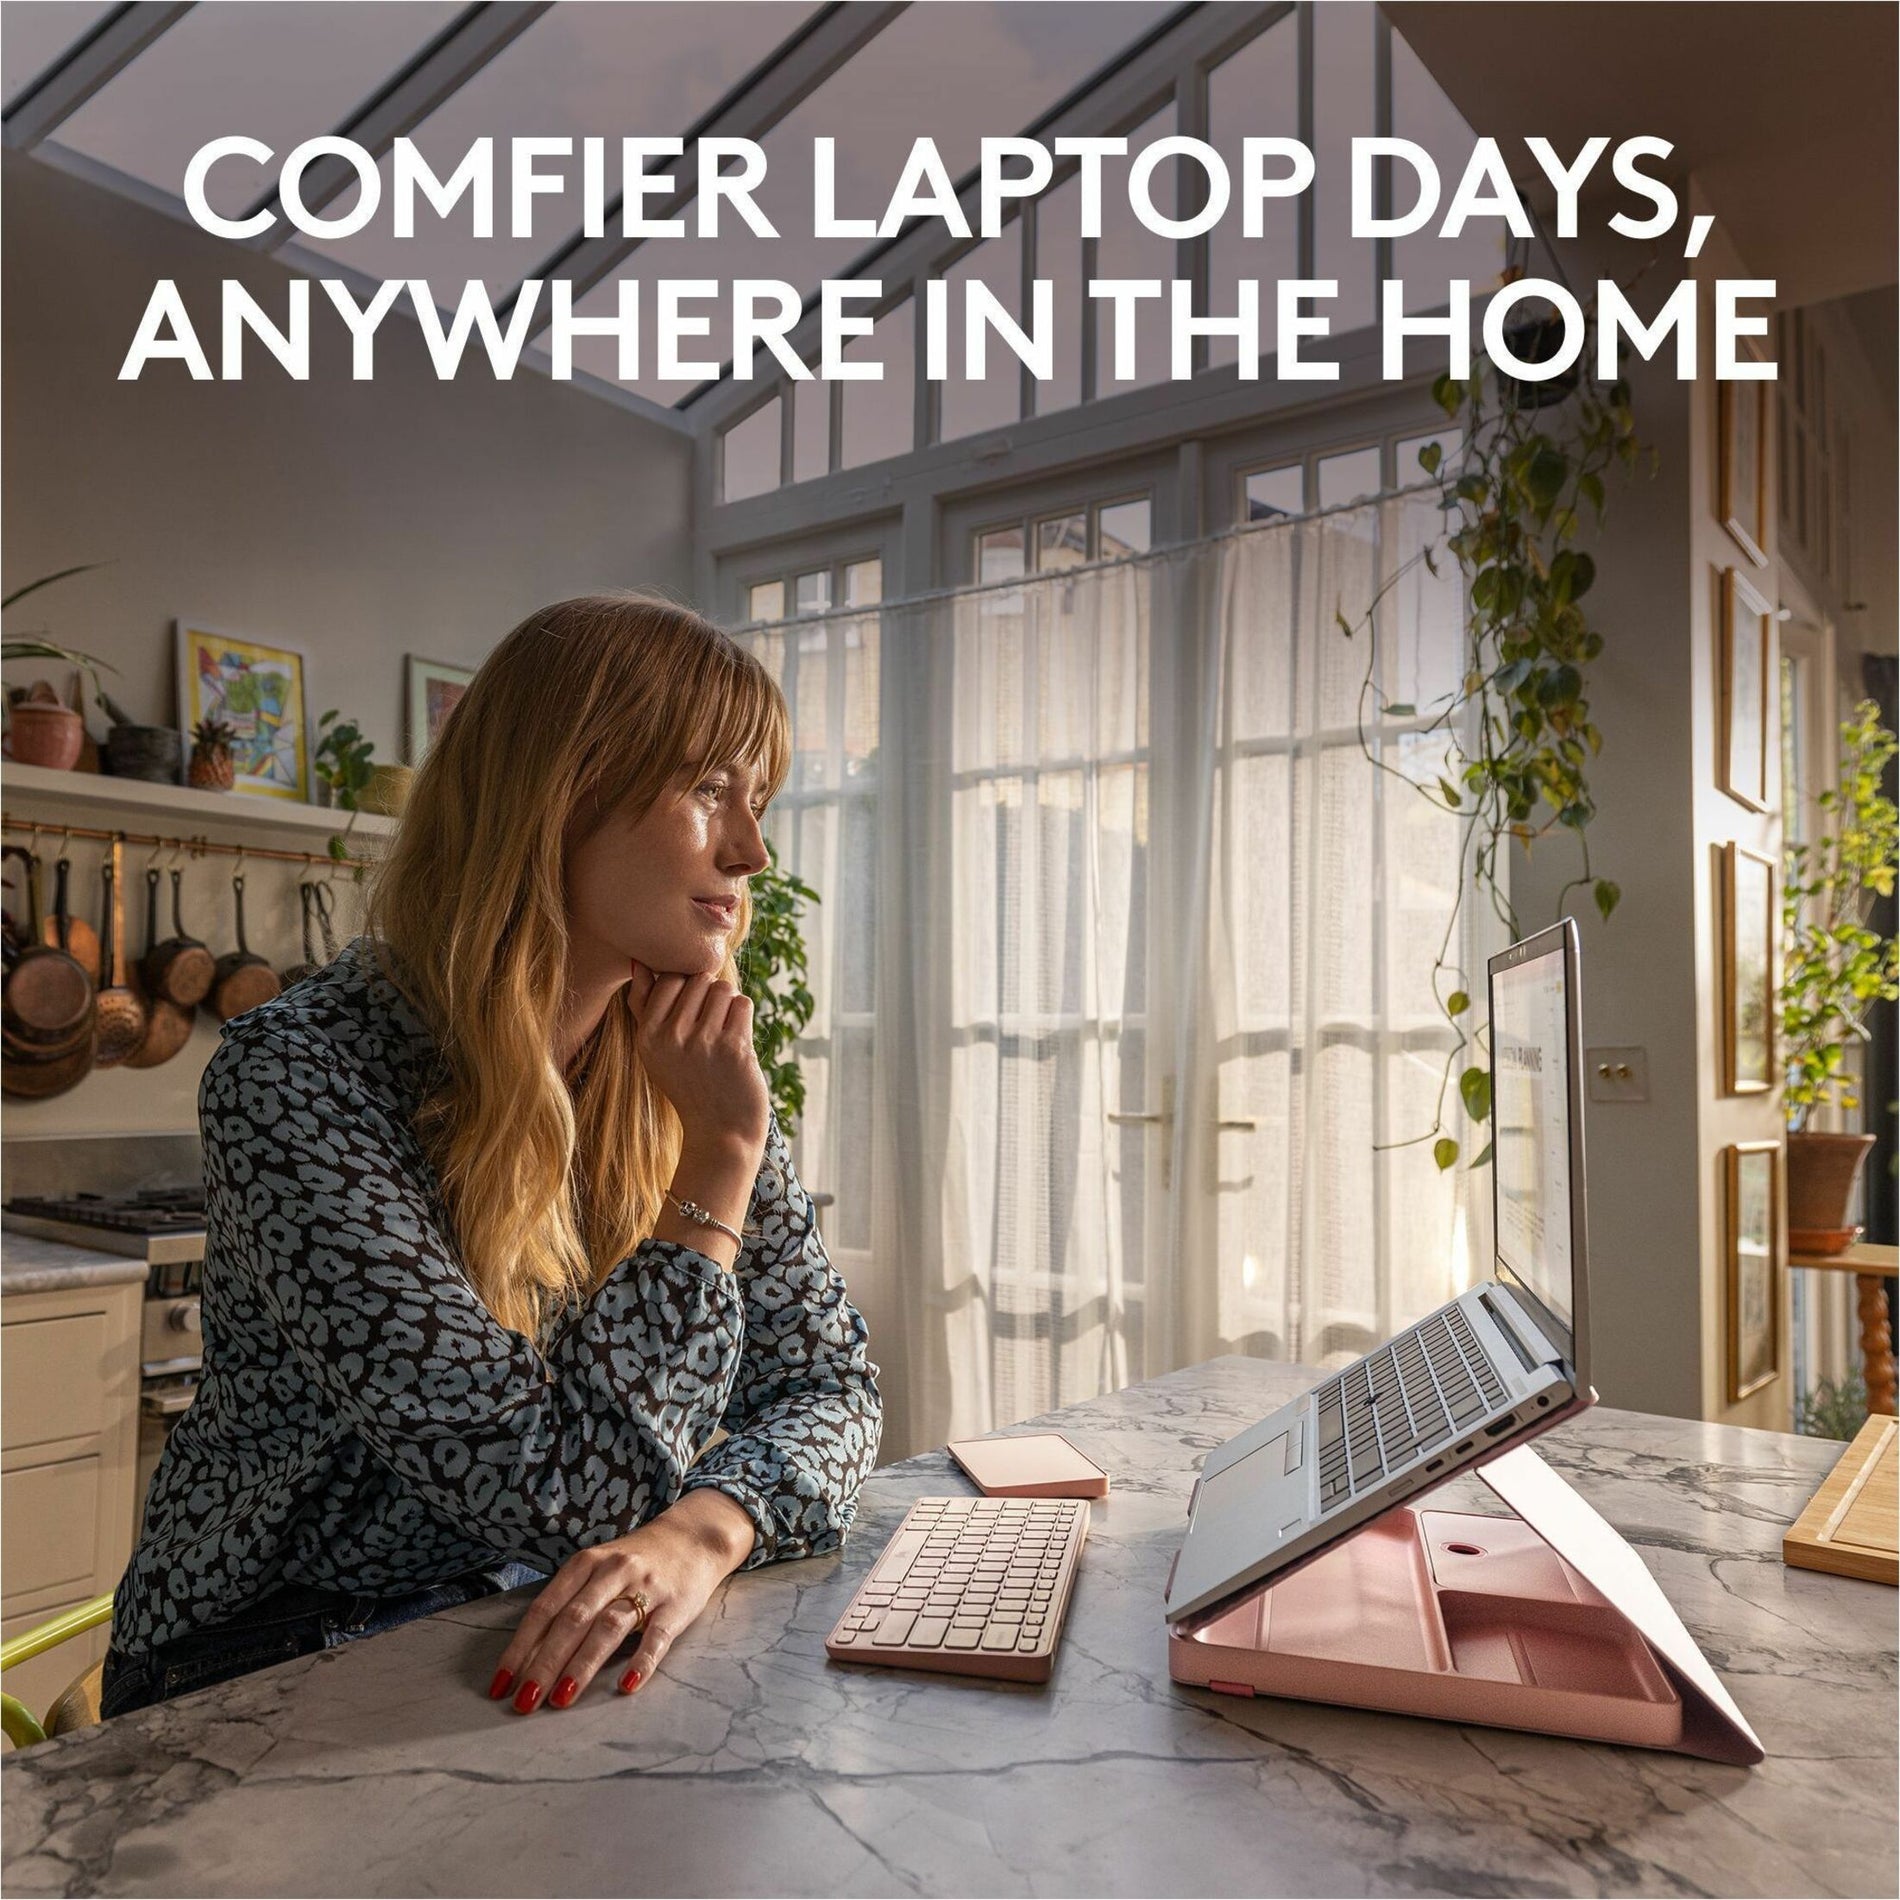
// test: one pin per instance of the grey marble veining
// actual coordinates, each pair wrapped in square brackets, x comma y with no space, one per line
[752,1764]
[29,1264]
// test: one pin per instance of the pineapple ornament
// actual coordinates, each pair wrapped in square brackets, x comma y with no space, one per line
[211,768]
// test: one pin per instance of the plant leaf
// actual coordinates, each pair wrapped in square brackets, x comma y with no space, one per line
[1445,1153]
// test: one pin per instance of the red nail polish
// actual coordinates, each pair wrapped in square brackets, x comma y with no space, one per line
[529,1696]
[504,1681]
[630,1682]
[564,1692]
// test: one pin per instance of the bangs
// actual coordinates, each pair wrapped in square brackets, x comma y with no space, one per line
[746,723]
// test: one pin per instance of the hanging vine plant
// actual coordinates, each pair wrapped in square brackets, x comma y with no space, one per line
[1531,465]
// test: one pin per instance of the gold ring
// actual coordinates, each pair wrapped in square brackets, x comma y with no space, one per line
[639,1602]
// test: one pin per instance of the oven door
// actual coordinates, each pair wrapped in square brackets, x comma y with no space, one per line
[162,1403]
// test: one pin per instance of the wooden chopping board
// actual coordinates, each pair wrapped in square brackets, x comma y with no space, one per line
[1849,1524]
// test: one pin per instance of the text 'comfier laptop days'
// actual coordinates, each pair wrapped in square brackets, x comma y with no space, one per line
[1489,1369]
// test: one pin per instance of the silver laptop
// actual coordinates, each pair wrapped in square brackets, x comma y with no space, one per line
[1486,1371]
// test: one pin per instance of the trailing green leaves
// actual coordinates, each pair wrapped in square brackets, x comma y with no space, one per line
[772,972]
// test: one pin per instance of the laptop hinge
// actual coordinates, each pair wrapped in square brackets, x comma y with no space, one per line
[1496,1310]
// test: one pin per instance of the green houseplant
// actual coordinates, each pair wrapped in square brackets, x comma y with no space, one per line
[1835,967]
[1531,464]
[772,972]
[44,731]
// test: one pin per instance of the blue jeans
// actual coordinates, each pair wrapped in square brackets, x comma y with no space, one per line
[293,1621]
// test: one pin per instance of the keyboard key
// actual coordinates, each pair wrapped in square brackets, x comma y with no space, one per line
[930,1632]
[961,1637]
[1001,1636]
[895,1628]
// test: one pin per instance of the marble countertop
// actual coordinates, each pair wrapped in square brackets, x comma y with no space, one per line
[29,1264]
[751,1764]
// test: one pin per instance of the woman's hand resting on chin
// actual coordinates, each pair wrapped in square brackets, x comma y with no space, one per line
[694,1035]
[586,1611]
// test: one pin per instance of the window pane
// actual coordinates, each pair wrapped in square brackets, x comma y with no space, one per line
[1342,111]
[32,38]
[1059,259]
[1061,542]
[1124,529]
[811,428]
[877,416]
[864,583]
[765,601]
[749,454]
[1349,477]
[999,554]
[577,72]
[1128,249]
[1254,94]
[1426,262]
[282,72]
[997,400]
[811,593]
[1276,492]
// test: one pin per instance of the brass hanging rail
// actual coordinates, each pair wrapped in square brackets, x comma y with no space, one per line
[197,847]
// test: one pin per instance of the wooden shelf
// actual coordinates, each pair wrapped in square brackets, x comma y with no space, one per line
[1865,1256]
[183,804]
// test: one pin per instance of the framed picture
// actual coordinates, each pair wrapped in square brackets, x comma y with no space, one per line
[433,690]
[1747,669]
[1748,971]
[1754,1266]
[258,691]
[1743,415]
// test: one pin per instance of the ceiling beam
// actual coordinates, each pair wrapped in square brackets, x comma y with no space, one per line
[103,54]
[773,89]
[443,67]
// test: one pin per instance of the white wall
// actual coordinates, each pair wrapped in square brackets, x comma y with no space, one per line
[358,522]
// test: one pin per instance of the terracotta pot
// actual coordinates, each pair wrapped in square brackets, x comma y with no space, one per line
[1822,1170]
[47,735]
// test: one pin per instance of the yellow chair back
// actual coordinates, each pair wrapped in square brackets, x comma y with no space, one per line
[80,1701]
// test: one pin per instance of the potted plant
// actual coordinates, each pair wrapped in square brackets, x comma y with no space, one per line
[42,728]
[774,949]
[1835,967]
[342,760]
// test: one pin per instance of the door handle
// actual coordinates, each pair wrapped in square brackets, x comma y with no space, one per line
[1161,1118]
[1240,1121]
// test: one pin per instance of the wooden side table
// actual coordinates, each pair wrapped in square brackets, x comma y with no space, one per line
[1869,1264]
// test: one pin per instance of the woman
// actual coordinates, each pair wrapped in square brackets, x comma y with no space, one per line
[500,1224]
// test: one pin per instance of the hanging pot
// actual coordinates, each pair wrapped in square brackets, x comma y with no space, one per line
[47,734]
[38,1081]
[122,1020]
[47,1002]
[309,966]
[180,969]
[243,980]
[322,902]
[72,934]
[167,1024]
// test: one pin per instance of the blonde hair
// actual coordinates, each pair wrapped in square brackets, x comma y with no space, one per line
[587,705]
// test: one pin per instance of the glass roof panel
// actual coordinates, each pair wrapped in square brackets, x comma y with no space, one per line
[32,37]
[952,73]
[605,70]
[279,70]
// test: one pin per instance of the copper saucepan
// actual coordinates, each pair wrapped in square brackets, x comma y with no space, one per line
[180,969]
[243,979]
[167,1024]
[48,1000]
[72,934]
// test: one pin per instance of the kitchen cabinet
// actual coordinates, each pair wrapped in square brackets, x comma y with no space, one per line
[69,1398]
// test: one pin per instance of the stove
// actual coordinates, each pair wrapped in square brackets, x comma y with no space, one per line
[165,1226]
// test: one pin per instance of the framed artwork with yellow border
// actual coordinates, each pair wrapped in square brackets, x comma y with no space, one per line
[258,691]
[1746,649]
[1752,1263]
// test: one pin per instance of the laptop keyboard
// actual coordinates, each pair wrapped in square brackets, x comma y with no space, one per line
[971,1586]
[1413,1393]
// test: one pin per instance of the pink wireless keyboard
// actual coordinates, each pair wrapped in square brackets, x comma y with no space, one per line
[971,1586]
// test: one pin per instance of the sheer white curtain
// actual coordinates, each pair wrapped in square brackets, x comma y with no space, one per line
[1123,969]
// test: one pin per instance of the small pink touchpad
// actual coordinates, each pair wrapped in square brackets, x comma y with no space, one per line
[1034,1464]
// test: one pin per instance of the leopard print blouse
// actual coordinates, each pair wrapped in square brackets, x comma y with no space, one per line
[363,1423]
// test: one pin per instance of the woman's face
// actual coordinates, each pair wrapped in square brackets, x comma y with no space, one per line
[665,887]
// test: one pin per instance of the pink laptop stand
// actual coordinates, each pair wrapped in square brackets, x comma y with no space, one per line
[1545,1620]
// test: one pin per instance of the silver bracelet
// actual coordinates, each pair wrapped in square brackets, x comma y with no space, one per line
[692,1211]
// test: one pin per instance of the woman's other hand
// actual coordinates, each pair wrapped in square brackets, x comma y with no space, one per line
[586,1610]
[694,1034]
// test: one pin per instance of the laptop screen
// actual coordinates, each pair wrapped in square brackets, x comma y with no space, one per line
[1531,1133]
